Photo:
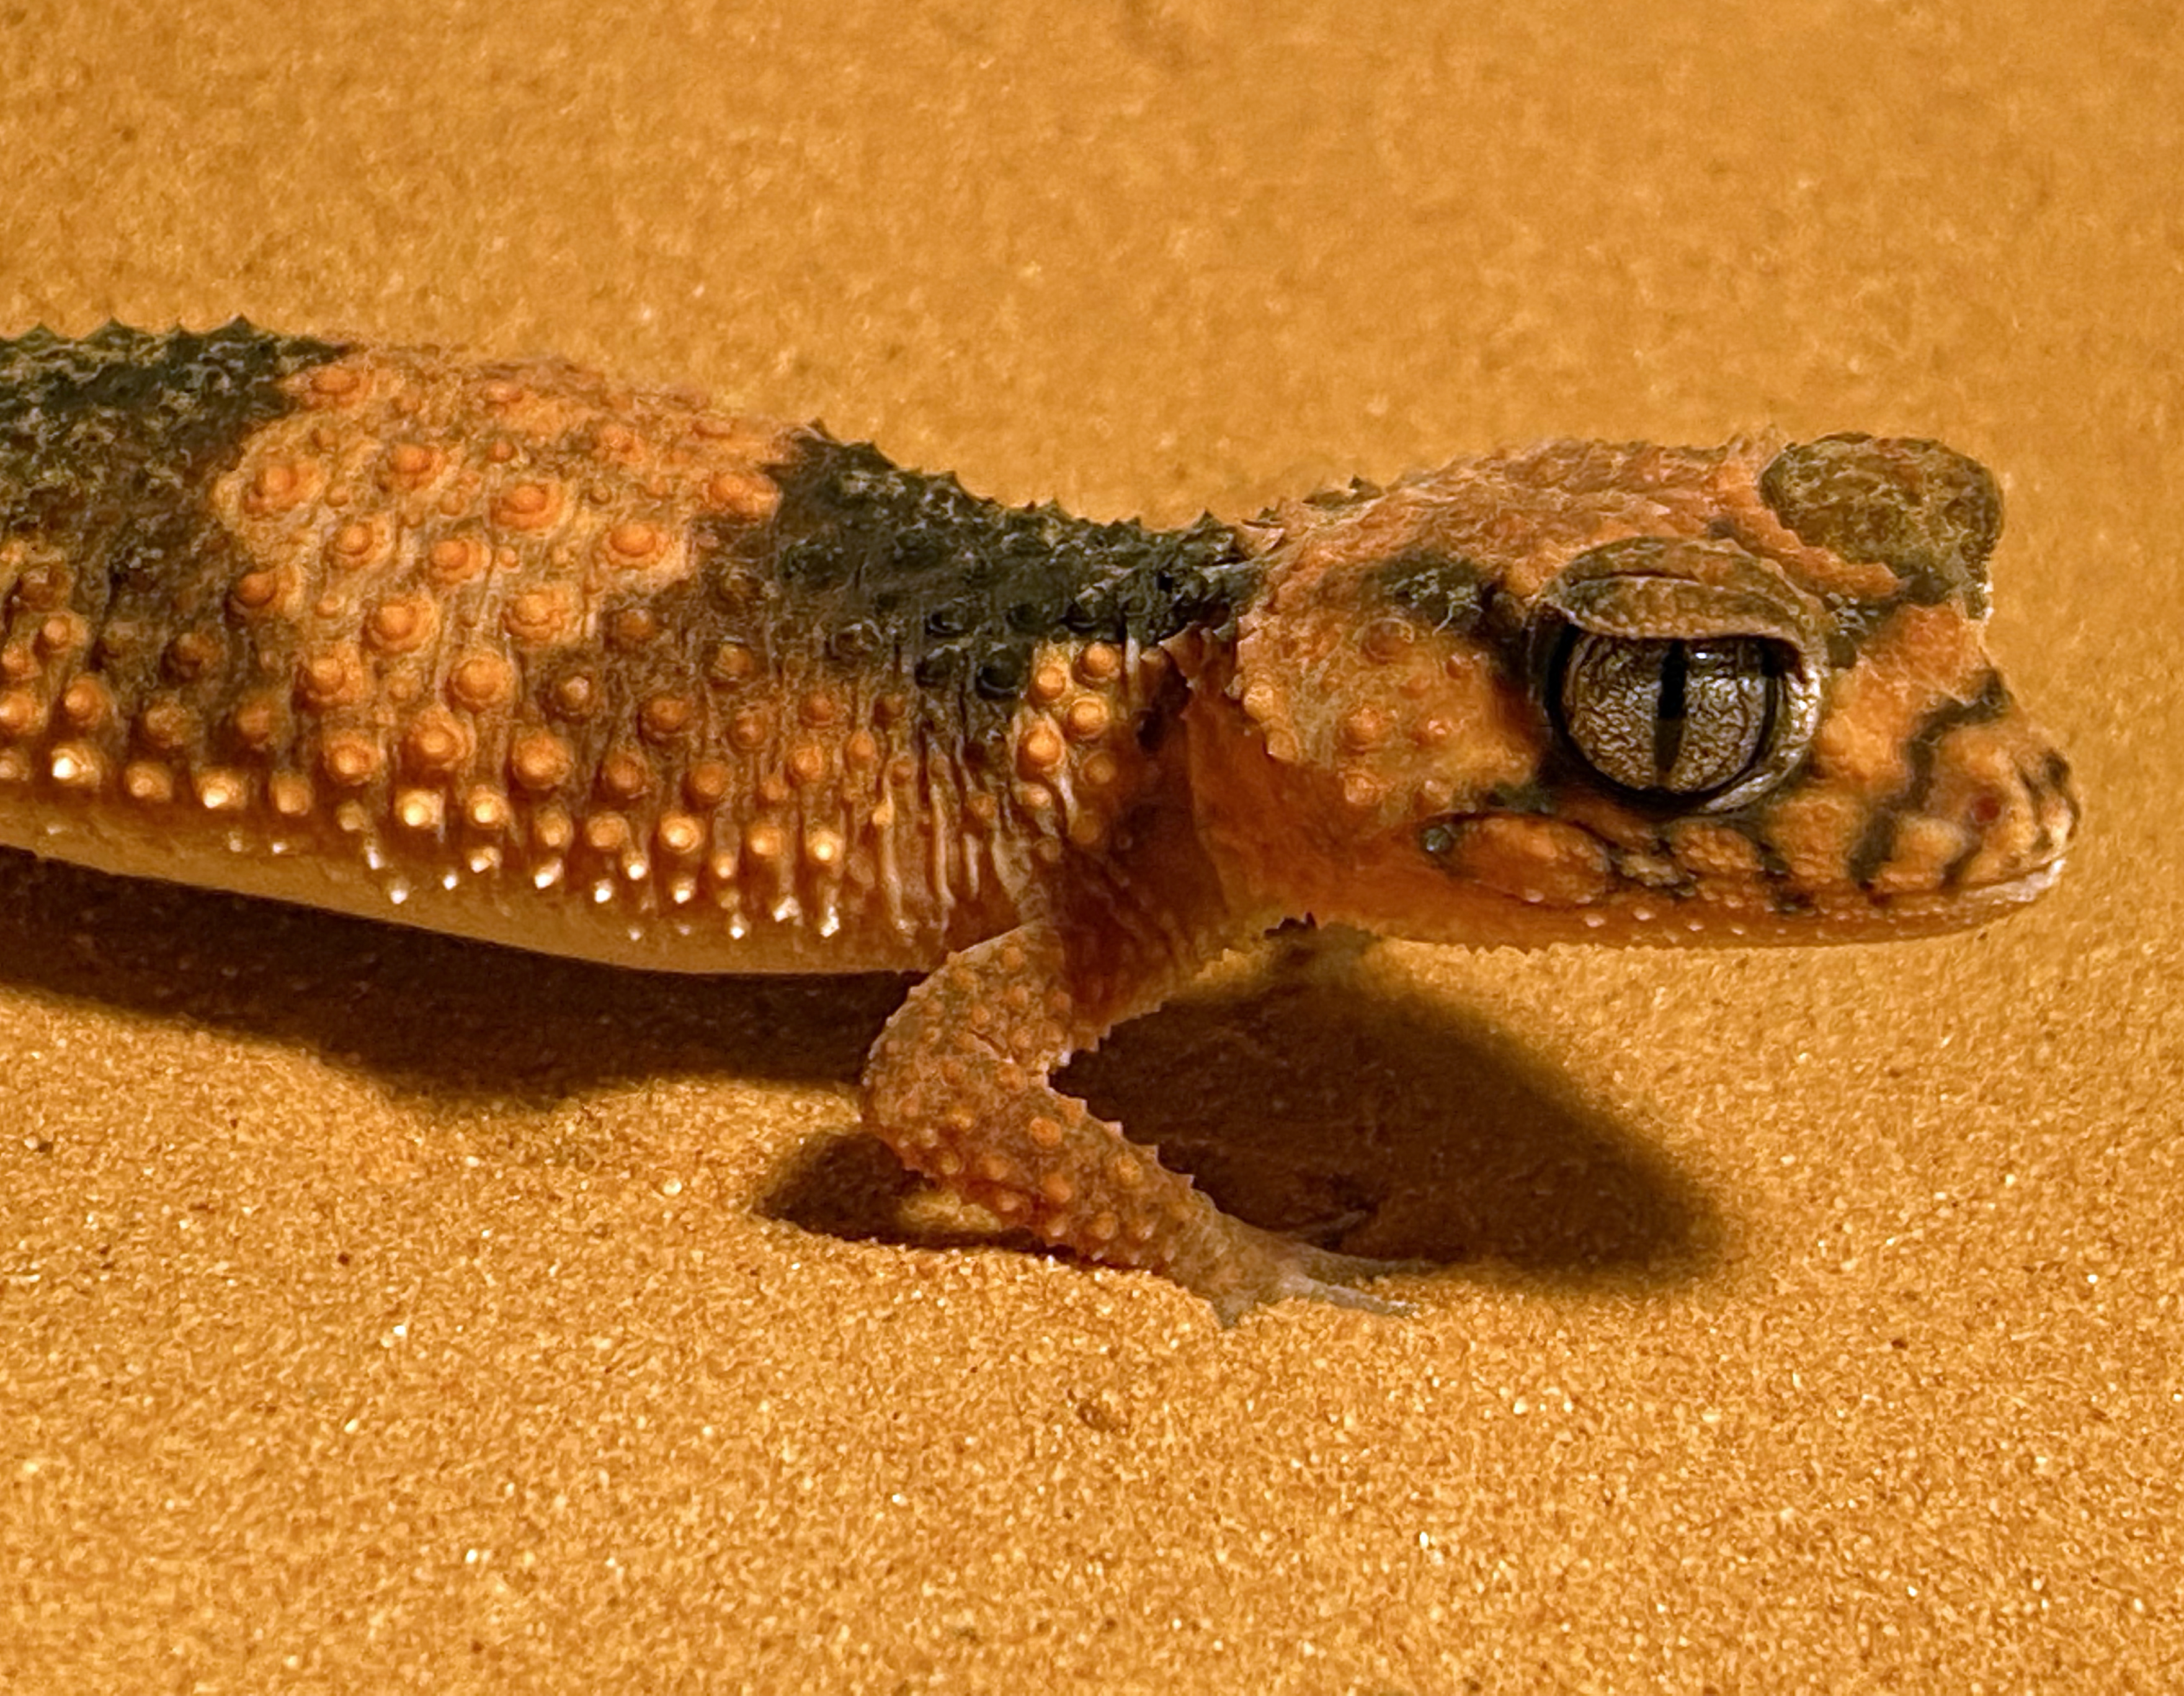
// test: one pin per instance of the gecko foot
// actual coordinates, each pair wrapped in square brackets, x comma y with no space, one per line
[1258,1267]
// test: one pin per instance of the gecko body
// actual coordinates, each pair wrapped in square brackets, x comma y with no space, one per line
[513,652]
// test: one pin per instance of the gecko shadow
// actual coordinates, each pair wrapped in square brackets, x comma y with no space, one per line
[1379,1121]
[429,1018]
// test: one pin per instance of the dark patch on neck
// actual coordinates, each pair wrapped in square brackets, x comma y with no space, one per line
[957,593]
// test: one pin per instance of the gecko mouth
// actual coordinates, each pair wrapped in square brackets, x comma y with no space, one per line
[1542,864]
[2018,891]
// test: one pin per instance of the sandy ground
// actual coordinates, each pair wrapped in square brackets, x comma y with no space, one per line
[381,1312]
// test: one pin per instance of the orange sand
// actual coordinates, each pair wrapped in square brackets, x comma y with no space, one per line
[379,1313]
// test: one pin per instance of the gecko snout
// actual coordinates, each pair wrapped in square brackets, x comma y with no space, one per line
[2046,799]
[1997,812]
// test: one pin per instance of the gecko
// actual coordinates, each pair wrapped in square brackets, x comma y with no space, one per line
[511,651]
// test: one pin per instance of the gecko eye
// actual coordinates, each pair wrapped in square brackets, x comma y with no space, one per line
[1683,672]
[1665,716]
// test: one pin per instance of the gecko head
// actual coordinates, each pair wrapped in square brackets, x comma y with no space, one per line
[1636,694]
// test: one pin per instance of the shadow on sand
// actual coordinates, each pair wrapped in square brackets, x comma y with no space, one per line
[1370,1118]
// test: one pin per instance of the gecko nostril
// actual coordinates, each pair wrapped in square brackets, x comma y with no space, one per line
[1986,808]
[2054,799]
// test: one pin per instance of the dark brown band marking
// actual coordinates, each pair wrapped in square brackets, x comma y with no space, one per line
[125,428]
[957,593]
[109,449]
[1878,842]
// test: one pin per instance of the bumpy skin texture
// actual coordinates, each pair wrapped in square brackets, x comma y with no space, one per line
[511,650]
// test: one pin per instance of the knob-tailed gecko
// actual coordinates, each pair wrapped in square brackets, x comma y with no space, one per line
[513,651]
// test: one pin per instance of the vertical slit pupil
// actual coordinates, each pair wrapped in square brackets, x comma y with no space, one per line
[1668,718]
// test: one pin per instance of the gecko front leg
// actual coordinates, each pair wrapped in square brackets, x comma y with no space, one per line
[958,1085]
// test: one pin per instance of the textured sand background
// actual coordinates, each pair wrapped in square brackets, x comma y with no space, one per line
[384,1313]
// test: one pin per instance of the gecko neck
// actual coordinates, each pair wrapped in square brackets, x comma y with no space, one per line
[962,591]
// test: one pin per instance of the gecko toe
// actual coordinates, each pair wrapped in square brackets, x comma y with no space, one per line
[1287,1270]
